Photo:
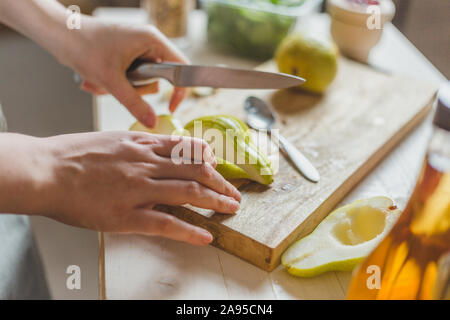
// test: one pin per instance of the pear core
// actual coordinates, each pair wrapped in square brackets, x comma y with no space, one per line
[343,239]
[361,224]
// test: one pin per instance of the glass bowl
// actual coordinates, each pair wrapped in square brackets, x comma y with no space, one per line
[255,28]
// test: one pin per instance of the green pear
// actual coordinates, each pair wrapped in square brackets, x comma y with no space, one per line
[236,153]
[343,239]
[167,124]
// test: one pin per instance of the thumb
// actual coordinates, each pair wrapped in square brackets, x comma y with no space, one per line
[92,88]
[130,98]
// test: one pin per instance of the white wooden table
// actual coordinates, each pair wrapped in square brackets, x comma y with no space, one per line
[136,267]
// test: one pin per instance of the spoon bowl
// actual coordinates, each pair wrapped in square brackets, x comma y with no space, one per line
[261,117]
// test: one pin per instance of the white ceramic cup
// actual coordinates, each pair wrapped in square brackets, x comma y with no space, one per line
[356,28]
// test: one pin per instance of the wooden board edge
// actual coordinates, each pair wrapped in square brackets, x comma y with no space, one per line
[226,238]
[309,224]
[101,267]
[271,257]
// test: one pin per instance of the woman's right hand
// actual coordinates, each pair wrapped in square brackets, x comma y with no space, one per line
[110,181]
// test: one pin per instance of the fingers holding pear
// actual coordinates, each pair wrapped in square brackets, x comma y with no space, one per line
[178,192]
[181,149]
[248,160]
[203,173]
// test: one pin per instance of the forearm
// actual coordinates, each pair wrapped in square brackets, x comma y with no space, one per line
[43,21]
[22,174]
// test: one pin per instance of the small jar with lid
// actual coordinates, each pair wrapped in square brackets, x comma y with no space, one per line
[170,17]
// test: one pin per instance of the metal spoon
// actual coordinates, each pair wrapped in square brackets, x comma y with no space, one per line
[260,117]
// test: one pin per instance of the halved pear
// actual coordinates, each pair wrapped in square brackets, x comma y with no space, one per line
[167,124]
[237,155]
[342,239]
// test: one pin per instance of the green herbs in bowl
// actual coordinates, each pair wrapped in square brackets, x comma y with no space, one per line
[253,28]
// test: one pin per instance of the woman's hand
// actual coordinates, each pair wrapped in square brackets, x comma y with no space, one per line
[101,53]
[104,53]
[111,182]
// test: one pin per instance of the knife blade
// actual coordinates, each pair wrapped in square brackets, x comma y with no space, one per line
[181,75]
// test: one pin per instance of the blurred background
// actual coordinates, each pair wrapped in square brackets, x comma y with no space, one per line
[40,98]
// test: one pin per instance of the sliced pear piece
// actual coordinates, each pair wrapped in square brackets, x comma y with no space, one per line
[230,171]
[342,239]
[231,141]
[167,124]
[202,91]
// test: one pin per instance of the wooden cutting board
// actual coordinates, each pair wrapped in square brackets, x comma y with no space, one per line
[345,133]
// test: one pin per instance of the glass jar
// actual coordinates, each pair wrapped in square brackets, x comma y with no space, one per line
[169,16]
[413,261]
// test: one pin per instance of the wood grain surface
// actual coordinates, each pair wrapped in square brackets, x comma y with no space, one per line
[345,133]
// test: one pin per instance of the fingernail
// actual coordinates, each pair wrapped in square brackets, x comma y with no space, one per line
[149,120]
[206,237]
[234,205]
[238,195]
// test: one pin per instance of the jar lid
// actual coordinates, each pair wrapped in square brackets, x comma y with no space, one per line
[442,115]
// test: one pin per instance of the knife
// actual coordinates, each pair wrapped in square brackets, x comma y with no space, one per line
[182,75]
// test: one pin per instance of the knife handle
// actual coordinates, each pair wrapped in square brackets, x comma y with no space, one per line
[300,161]
[143,73]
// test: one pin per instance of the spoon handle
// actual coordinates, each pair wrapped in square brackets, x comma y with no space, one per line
[299,160]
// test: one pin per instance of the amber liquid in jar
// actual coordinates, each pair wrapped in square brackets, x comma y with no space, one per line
[409,257]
